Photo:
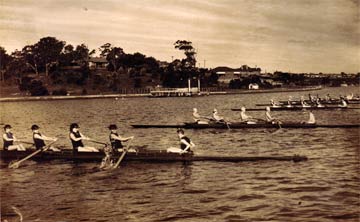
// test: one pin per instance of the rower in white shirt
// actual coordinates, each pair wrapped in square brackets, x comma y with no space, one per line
[198,118]
[246,118]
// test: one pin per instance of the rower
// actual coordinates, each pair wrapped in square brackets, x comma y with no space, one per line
[350,96]
[116,139]
[9,139]
[246,118]
[343,103]
[311,118]
[303,103]
[273,104]
[318,104]
[39,139]
[197,117]
[186,145]
[327,98]
[217,118]
[289,102]
[76,140]
[269,118]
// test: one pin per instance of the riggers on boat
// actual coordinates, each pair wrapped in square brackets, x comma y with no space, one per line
[243,125]
[142,156]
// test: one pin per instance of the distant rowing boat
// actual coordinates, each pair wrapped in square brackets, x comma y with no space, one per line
[242,125]
[142,156]
[297,108]
[324,102]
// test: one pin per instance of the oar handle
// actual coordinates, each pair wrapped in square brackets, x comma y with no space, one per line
[94,141]
[20,141]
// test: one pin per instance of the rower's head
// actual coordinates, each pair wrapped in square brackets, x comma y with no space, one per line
[113,127]
[268,108]
[243,109]
[74,127]
[215,110]
[195,110]
[35,127]
[7,128]
[180,132]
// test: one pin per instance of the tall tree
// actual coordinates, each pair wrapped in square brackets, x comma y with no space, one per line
[190,61]
[5,61]
[112,55]
[49,49]
[31,57]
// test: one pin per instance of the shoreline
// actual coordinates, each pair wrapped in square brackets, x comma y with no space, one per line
[104,96]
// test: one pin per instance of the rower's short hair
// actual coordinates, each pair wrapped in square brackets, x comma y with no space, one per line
[7,126]
[180,131]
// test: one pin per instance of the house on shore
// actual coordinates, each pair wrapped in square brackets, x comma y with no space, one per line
[98,63]
[227,74]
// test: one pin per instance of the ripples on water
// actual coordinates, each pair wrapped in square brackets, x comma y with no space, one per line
[325,188]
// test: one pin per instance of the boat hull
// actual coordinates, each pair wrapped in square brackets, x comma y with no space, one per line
[144,156]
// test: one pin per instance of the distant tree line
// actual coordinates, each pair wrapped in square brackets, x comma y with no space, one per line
[47,62]
[53,64]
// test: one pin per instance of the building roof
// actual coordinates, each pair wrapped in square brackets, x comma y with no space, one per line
[243,68]
[98,60]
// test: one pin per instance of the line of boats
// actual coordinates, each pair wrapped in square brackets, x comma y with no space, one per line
[299,108]
[244,125]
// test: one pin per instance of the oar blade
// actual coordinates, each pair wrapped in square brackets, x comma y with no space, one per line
[13,165]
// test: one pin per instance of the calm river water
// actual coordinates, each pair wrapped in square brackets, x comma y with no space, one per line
[324,188]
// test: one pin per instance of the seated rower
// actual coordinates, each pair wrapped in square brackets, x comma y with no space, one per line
[273,104]
[343,103]
[217,118]
[197,117]
[39,139]
[289,103]
[76,140]
[318,104]
[350,96]
[9,139]
[303,103]
[269,118]
[246,118]
[186,145]
[327,98]
[311,118]
[116,139]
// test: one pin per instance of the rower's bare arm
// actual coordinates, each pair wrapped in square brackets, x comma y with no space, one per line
[188,145]
[84,137]
[123,139]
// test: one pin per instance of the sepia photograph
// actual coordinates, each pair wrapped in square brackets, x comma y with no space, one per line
[180,110]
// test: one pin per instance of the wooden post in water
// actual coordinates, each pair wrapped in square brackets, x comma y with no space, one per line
[189,86]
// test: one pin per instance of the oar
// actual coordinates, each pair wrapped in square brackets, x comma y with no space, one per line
[17,164]
[227,124]
[94,141]
[122,155]
[20,141]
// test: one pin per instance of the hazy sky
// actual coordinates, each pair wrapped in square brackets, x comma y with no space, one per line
[287,35]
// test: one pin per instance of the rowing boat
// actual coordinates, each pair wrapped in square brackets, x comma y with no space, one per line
[327,102]
[243,125]
[297,108]
[143,156]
